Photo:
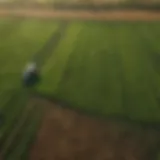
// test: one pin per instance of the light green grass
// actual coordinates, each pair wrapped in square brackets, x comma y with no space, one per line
[108,68]
[54,68]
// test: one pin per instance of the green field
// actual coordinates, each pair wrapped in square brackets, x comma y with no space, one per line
[111,68]
[107,68]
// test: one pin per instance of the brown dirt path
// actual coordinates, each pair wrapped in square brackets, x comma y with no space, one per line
[68,135]
[126,15]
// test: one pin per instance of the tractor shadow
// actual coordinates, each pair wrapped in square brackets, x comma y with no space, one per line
[48,49]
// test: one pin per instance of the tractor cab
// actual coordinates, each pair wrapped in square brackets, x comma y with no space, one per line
[30,75]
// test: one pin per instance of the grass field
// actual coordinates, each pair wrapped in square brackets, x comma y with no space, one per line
[111,68]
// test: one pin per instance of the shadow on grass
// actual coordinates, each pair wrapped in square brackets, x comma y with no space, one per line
[47,50]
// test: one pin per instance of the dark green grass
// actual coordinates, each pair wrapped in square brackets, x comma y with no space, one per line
[159,156]
[108,68]
[20,147]
[11,111]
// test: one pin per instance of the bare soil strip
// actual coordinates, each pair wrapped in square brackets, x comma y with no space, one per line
[68,135]
[126,15]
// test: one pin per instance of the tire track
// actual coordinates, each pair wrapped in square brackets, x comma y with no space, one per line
[25,137]
[16,130]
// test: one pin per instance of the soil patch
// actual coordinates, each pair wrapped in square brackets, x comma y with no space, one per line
[69,135]
[126,15]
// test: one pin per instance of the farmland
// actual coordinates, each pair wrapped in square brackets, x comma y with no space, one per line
[108,68]
[111,68]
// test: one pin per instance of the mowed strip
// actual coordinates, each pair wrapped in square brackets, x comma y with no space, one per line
[54,68]
[139,97]
[92,80]
[109,70]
